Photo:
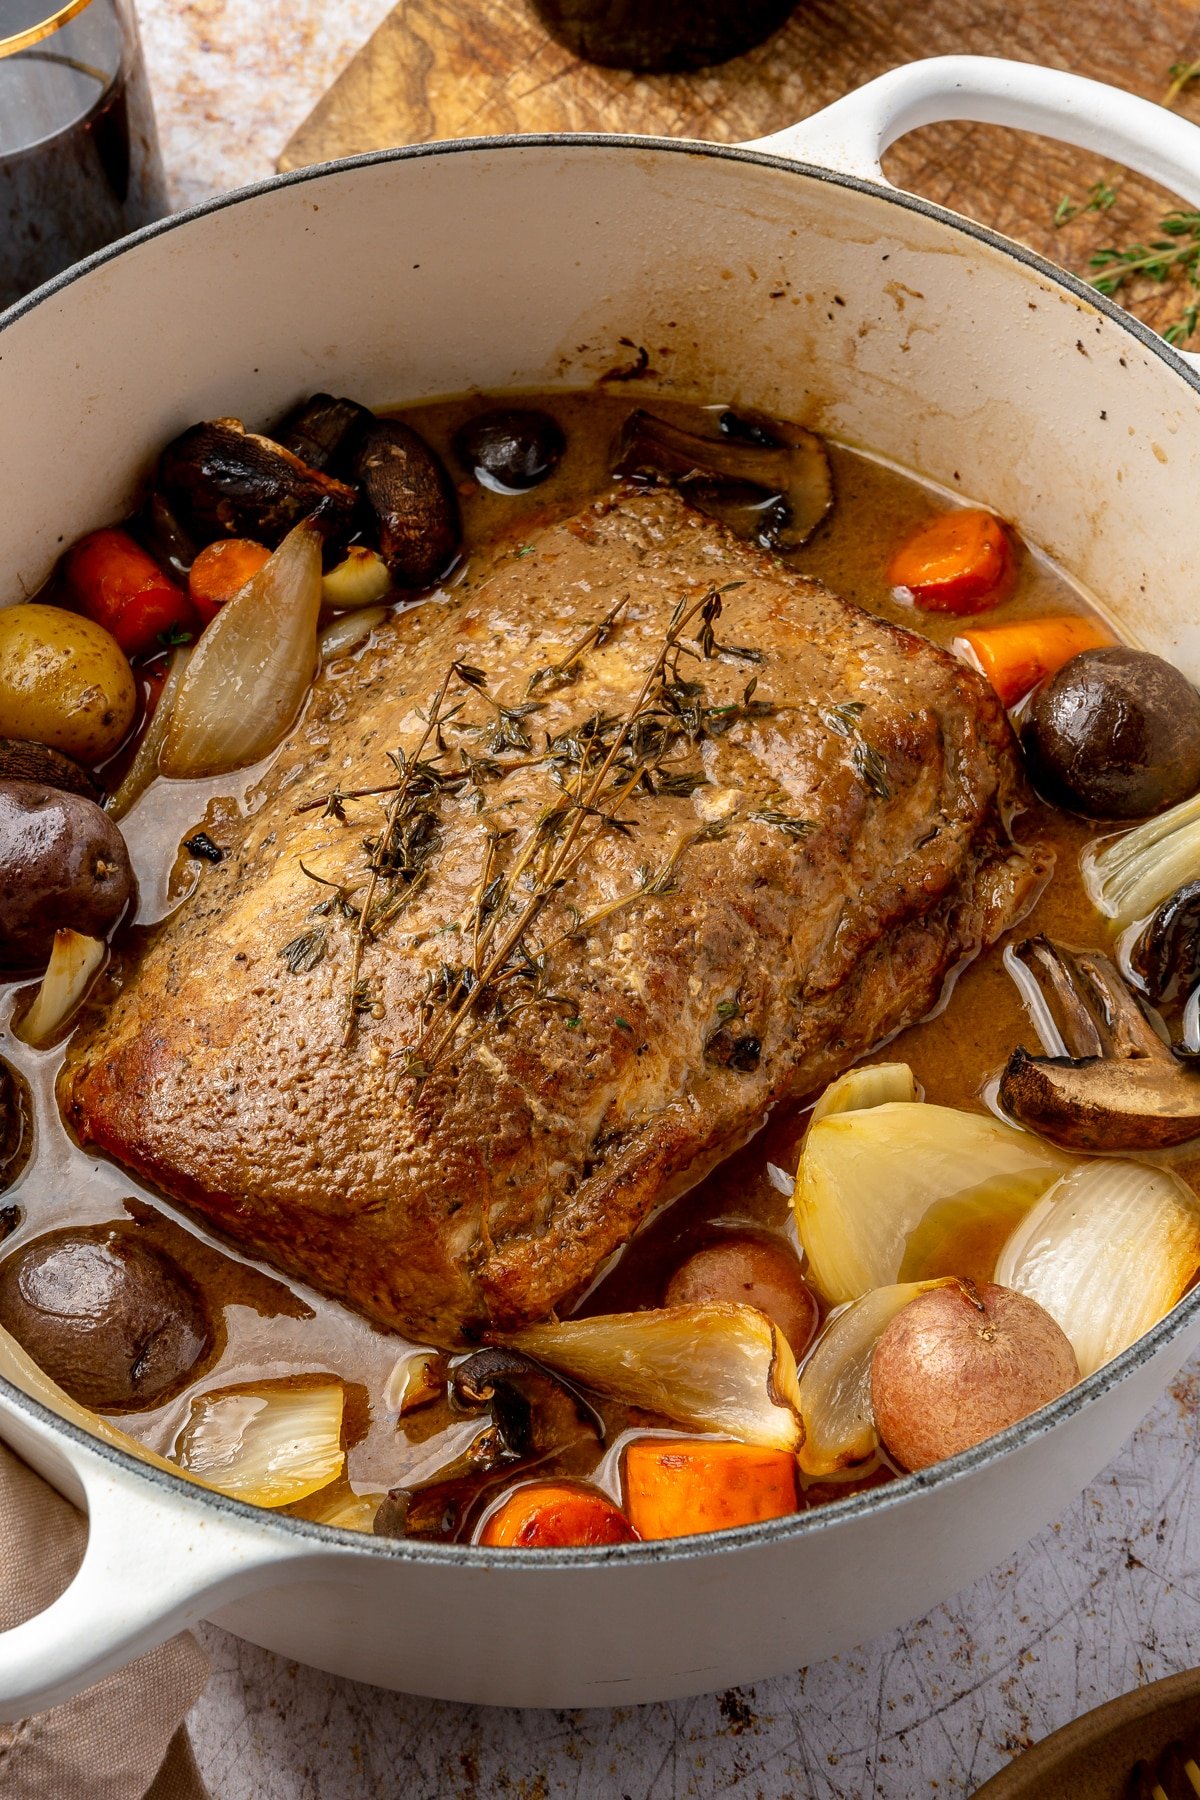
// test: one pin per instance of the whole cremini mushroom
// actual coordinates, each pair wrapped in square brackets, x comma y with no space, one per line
[1114,735]
[960,1363]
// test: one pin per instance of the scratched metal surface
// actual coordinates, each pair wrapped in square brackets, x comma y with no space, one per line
[1106,1598]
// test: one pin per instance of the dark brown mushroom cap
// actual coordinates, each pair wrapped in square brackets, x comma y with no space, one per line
[114,1321]
[1114,735]
[413,503]
[510,449]
[324,432]
[1167,953]
[223,481]
[22,760]
[16,1132]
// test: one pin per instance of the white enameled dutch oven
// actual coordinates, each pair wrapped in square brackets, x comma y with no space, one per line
[785,275]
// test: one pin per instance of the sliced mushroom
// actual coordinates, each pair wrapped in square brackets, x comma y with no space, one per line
[1167,954]
[531,1414]
[774,492]
[325,432]
[412,500]
[224,481]
[1119,1086]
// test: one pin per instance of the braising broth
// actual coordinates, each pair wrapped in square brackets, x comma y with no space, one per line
[404,1428]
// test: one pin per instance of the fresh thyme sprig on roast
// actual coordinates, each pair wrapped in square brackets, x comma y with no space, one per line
[568,829]
[598,764]
[409,835]
[1170,259]
[869,766]
[568,668]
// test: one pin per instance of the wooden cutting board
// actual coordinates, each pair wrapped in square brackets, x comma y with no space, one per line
[459,68]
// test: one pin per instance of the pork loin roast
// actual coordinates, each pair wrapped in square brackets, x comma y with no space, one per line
[684,834]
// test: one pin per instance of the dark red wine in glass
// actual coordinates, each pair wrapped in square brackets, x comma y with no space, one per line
[79,158]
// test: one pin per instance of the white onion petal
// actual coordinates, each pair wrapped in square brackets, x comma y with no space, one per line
[835,1382]
[1108,1252]
[1131,875]
[270,1445]
[144,766]
[249,673]
[721,1367]
[348,631]
[338,1504]
[73,963]
[870,1084]
[870,1181]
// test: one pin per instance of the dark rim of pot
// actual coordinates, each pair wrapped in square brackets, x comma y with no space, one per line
[829,1515]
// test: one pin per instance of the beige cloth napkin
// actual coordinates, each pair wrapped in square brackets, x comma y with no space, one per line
[123,1738]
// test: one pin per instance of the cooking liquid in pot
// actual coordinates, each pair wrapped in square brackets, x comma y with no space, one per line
[269,1328]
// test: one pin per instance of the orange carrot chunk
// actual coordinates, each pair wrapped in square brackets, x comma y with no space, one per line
[1015,658]
[118,585]
[221,571]
[677,1486]
[556,1515]
[961,562]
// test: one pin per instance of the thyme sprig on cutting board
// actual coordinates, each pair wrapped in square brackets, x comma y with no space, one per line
[1171,259]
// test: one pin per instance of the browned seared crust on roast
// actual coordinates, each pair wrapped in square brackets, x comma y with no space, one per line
[492,1191]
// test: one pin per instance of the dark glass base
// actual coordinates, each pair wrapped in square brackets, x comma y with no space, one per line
[656,36]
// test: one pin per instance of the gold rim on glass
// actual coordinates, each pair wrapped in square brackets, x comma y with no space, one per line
[21,40]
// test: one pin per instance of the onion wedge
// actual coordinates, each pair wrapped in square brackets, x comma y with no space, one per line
[360,579]
[871,1084]
[73,963]
[271,1444]
[348,631]
[835,1382]
[338,1504]
[248,675]
[1108,1252]
[1129,876]
[719,1367]
[873,1181]
[144,766]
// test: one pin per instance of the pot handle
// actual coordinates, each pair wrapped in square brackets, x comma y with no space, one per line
[851,135]
[156,1560]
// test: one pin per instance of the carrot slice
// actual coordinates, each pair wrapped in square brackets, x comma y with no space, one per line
[122,588]
[677,1486]
[222,570]
[554,1515]
[1016,657]
[961,562]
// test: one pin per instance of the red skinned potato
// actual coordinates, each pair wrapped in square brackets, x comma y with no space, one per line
[756,1272]
[960,1363]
